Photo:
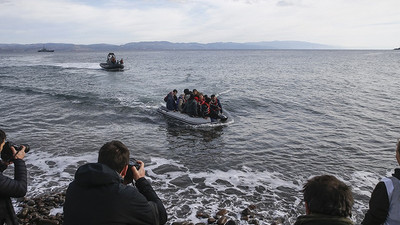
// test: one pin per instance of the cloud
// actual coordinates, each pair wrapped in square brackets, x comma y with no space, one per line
[355,23]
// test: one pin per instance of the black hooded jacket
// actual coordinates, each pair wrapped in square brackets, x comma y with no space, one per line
[16,188]
[98,196]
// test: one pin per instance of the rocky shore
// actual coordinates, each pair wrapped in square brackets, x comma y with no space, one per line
[47,210]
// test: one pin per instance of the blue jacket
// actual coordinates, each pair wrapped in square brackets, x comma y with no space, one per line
[171,102]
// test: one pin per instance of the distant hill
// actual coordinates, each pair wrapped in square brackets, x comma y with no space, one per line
[164,45]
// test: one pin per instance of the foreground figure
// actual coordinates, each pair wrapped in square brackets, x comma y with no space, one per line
[98,194]
[328,201]
[384,205]
[16,187]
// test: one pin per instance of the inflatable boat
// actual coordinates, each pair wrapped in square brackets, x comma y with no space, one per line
[112,64]
[185,118]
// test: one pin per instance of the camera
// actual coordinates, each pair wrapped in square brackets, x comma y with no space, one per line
[7,154]
[129,174]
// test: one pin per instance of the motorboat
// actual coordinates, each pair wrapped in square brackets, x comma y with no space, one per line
[45,50]
[185,118]
[112,63]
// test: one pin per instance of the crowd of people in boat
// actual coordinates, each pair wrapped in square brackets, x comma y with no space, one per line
[195,104]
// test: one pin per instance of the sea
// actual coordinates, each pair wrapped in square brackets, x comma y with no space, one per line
[295,114]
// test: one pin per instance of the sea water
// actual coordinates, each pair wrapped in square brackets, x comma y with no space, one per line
[296,114]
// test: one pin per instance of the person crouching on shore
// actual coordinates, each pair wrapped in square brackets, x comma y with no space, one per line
[98,194]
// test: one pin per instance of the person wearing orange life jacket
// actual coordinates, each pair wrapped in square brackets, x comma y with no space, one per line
[205,108]
[200,101]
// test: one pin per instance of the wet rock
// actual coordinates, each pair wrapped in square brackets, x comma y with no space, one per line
[222,212]
[48,222]
[202,215]
[222,220]
[211,220]
[37,210]
[167,168]
[231,222]
[183,181]
[182,223]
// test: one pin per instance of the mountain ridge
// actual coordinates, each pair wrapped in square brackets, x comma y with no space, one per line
[165,45]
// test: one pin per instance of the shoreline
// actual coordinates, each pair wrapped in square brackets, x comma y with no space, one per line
[46,209]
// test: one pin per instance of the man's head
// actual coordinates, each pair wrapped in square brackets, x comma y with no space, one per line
[2,139]
[174,91]
[115,155]
[327,195]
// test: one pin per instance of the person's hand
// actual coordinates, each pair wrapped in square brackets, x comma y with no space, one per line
[20,154]
[137,174]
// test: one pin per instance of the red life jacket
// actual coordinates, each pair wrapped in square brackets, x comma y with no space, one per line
[208,106]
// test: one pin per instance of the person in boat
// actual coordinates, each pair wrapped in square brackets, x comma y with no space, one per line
[171,100]
[181,102]
[384,204]
[191,107]
[100,195]
[196,94]
[187,95]
[113,60]
[200,100]
[121,61]
[205,108]
[215,101]
[327,201]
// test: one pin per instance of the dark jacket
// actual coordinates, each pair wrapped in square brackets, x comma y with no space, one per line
[379,203]
[15,188]
[171,101]
[190,108]
[320,219]
[98,196]
[204,109]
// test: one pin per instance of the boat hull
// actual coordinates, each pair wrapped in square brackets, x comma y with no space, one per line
[184,118]
[112,67]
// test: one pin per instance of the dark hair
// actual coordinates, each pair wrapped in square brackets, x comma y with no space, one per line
[2,136]
[329,196]
[115,155]
[212,96]
[186,91]
[208,99]
[175,91]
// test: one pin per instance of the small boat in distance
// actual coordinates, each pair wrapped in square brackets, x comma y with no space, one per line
[112,64]
[45,50]
[396,49]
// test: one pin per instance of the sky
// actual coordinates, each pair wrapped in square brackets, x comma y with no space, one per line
[369,24]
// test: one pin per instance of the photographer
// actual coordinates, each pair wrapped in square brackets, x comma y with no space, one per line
[98,194]
[16,187]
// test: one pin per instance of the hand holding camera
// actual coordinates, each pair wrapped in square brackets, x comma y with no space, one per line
[12,151]
[135,171]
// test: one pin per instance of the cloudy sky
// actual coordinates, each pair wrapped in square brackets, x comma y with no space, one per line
[371,24]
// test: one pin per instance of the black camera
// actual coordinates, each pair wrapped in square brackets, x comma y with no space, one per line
[129,174]
[7,154]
